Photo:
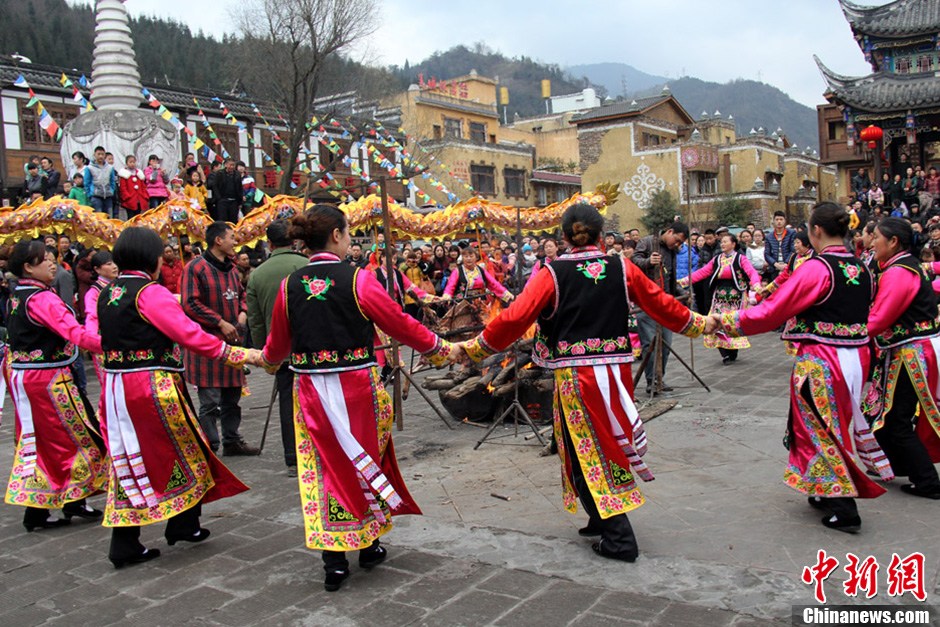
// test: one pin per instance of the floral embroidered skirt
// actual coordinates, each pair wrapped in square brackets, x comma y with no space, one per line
[595,404]
[917,359]
[59,455]
[727,299]
[161,464]
[350,485]
[827,428]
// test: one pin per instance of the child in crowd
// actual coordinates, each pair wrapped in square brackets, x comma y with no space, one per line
[75,189]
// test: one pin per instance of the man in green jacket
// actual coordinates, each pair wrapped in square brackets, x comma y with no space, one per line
[263,285]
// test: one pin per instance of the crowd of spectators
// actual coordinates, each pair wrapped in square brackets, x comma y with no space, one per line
[224,190]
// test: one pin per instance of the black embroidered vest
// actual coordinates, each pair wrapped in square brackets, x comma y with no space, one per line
[841,318]
[590,324]
[34,345]
[919,320]
[329,332]
[738,275]
[399,289]
[129,342]
[464,288]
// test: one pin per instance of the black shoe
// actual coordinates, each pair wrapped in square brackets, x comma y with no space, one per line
[292,470]
[199,536]
[239,448]
[140,558]
[649,391]
[726,361]
[48,523]
[372,557]
[589,532]
[623,556]
[817,502]
[667,388]
[848,525]
[334,579]
[912,489]
[734,357]
[70,510]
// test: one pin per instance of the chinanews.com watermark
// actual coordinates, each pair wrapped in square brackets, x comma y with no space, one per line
[903,579]
[868,615]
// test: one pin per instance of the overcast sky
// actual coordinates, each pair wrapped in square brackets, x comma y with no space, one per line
[768,40]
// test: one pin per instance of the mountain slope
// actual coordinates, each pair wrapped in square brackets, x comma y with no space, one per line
[612,77]
[751,103]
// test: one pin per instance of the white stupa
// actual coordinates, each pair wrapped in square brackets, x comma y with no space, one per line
[118,124]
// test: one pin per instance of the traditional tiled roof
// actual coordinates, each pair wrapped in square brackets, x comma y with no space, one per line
[626,109]
[902,18]
[882,91]
[46,78]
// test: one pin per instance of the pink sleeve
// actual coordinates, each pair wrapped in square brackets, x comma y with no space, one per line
[159,306]
[804,289]
[896,290]
[750,272]
[91,311]
[935,267]
[936,286]
[704,272]
[494,286]
[49,310]
[451,283]
[277,346]
[389,317]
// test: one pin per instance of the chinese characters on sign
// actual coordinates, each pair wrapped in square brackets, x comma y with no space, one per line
[903,575]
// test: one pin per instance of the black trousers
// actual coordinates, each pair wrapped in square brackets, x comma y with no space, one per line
[284,380]
[336,560]
[125,541]
[905,451]
[844,507]
[227,209]
[616,531]
[35,516]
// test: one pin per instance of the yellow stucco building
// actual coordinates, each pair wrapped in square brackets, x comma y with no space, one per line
[653,144]
[528,162]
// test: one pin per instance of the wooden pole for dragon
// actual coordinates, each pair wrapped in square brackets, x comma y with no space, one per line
[390,275]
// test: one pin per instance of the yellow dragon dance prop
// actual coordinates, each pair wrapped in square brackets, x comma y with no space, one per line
[178,217]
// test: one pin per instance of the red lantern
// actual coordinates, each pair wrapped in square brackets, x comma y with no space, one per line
[871,134]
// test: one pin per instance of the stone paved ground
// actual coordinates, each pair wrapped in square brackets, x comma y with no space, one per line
[723,541]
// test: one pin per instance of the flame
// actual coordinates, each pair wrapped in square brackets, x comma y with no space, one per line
[505,362]
[527,366]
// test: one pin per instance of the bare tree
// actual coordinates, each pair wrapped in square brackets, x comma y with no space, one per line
[297,39]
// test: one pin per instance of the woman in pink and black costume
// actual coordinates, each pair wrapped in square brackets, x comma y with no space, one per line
[350,485]
[104,271]
[732,281]
[59,459]
[471,279]
[903,399]
[580,304]
[828,301]
[162,466]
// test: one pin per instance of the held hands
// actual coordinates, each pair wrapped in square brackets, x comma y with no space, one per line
[655,259]
[458,355]
[712,324]
[254,358]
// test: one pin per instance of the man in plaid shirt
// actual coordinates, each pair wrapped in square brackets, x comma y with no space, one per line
[212,294]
